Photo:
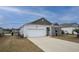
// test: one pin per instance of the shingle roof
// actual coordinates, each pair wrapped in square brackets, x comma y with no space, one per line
[56,24]
[41,21]
[70,25]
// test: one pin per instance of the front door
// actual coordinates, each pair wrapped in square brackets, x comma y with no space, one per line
[48,31]
[56,33]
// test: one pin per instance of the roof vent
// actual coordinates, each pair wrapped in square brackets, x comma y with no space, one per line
[42,19]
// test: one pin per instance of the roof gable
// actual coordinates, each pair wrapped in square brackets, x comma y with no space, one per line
[41,21]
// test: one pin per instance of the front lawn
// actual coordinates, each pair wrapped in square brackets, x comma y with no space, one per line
[17,44]
[71,38]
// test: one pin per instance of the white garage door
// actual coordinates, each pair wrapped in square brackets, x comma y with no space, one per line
[36,33]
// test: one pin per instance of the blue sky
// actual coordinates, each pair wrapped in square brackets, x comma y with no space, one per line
[16,16]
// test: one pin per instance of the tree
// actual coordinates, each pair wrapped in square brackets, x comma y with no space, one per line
[76,30]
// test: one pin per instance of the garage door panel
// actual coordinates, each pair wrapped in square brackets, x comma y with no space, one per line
[36,33]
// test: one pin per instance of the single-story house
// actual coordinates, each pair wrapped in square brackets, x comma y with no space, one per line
[69,27]
[39,28]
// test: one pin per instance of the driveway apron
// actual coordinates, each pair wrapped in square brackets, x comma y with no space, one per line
[50,44]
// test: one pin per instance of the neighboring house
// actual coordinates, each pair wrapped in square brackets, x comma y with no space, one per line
[56,29]
[39,28]
[15,31]
[69,27]
[1,31]
[7,31]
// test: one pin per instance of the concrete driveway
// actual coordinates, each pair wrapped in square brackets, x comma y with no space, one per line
[49,44]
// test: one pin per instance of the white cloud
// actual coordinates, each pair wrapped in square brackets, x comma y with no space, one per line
[33,13]
[68,17]
[1,19]
[72,15]
[19,11]
[11,9]
[42,13]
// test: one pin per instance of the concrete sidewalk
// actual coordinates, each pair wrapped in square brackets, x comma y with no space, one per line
[49,44]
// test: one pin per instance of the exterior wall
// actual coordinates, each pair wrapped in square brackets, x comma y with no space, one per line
[58,29]
[39,30]
[15,31]
[1,30]
[34,30]
[21,31]
[50,30]
[68,29]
